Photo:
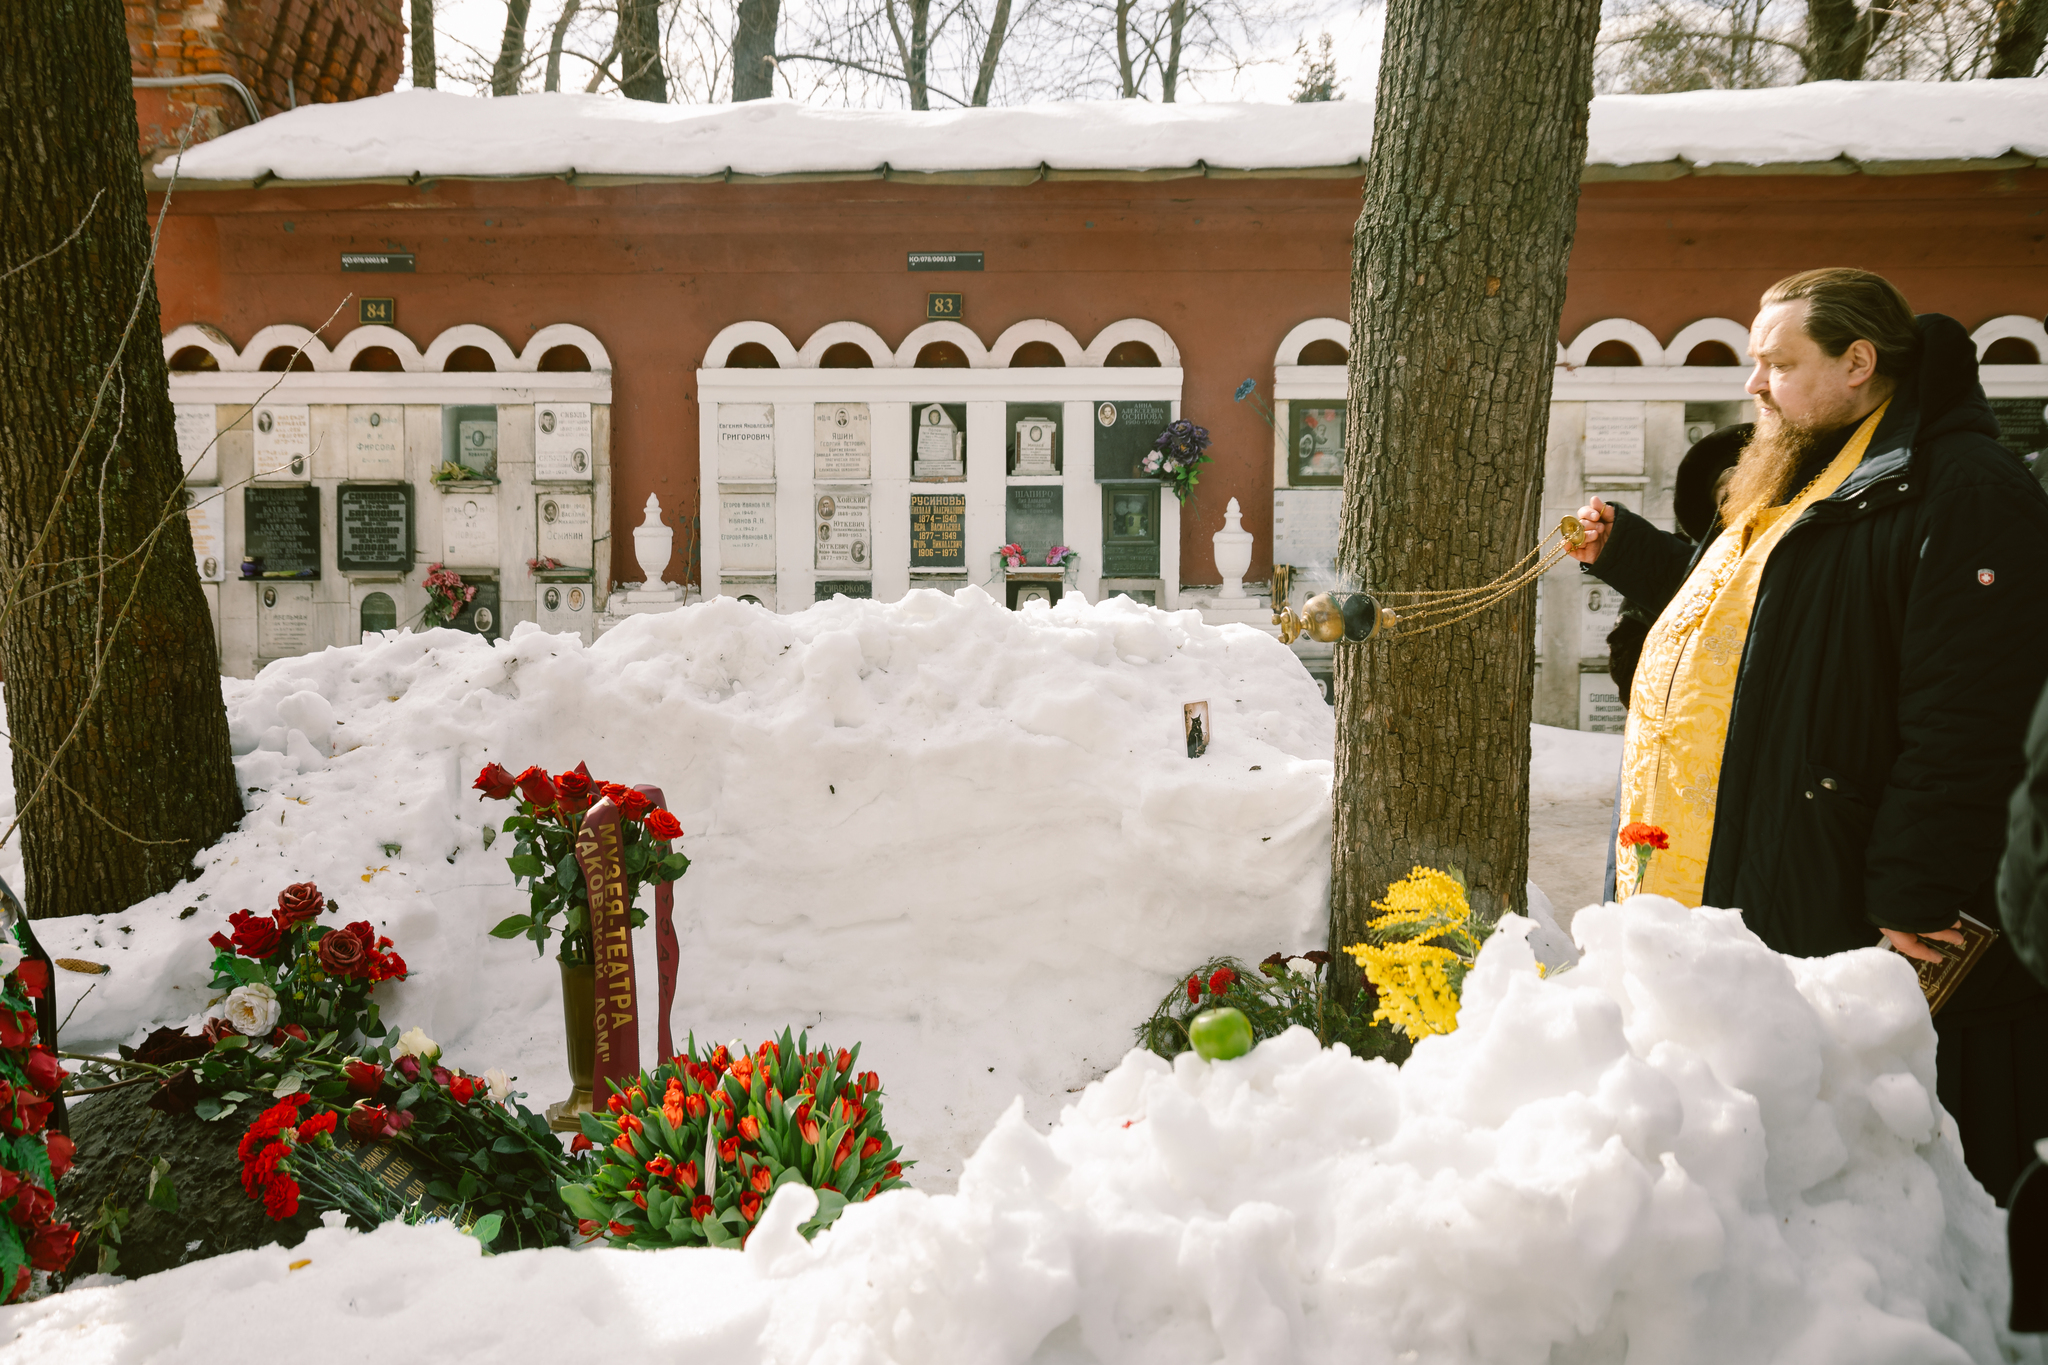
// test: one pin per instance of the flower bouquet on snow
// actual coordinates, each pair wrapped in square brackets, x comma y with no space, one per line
[1177,456]
[1417,951]
[693,1150]
[544,850]
[1283,992]
[31,1160]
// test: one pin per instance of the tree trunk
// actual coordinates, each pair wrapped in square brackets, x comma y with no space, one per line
[424,68]
[640,73]
[753,50]
[115,675]
[2022,32]
[553,80]
[511,61]
[991,54]
[1169,74]
[1838,38]
[1458,280]
[1123,49]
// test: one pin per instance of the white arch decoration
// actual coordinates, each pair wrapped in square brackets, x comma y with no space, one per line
[2013,325]
[1640,339]
[282,334]
[559,334]
[957,333]
[469,334]
[1019,334]
[738,334]
[1315,329]
[207,338]
[363,338]
[833,333]
[1132,329]
[1729,333]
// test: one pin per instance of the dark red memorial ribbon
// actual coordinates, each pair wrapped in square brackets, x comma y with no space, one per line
[600,853]
[666,955]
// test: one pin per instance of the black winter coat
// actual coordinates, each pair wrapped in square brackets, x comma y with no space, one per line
[2023,875]
[1899,639]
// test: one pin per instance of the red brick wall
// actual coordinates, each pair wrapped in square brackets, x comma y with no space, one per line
[285,51]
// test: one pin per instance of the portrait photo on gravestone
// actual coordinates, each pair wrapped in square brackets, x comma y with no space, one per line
[938,441]
[1033,432]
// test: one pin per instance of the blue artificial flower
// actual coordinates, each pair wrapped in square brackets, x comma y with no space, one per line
[1244,389]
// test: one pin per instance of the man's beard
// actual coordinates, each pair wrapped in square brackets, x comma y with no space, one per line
[1770,464]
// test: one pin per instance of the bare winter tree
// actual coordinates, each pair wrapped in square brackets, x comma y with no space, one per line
[556,37]
[753,49]
[122,769]
[511,63]
[2022,33]
[641,75]
[1458,280]
[424,68]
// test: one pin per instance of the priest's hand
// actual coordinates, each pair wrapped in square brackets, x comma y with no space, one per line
[1596,518]
[1909,944]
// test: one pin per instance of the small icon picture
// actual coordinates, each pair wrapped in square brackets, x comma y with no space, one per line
[1194,719]
[827,505]
[552,599]
[269,597]
[1106,414]
[575,599]
[547,420]
[483,620]
[376,419]
[263,421]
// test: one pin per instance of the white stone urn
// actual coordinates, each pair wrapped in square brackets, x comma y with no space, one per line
[653,543]
[1233,552]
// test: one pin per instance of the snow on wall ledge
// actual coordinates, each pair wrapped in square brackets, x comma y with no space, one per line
[434,133]
[969,838]
[1687,1150]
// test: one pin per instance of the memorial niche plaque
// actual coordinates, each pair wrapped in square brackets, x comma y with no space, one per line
[561,442]
[1130,530]
[198,430]
[746,531]
[281,532]
[2023,429]
[563,533]
[1033,433]
[564,607]
[1035,521]
[480,615]
[375,529]
[207,512]
[938,530]
[1315,449]
[828,588]
[1614,438]
[1124,433]
[938,441]
[842,446]
[469,528]
[1305,526]
[284,619]
[469,439]
[376,442]
[746,442]
[842,522]
[284,441]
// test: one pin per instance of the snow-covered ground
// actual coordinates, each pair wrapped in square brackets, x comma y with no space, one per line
[972,840]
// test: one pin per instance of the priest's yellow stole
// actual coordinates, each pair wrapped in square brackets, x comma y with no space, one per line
[1685,687]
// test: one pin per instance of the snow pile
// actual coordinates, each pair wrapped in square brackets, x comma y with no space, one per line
[1686,1149]
[968,838]
[433,133]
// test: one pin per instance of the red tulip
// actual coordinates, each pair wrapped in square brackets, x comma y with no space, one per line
[686,1175]
[701,1207]
[871,1147]
[729,1150]
[750,1128]
[750,1206]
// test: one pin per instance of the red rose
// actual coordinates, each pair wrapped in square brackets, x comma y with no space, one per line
[34,976]
[52,1247]
[536,789]
[463,1088]
[1220,979]
[575,787]
[17,1028]
[495,783]
[364,1078]
[663,825]
[631,804]
[408,1067]
[871,1147]
[256,936]
[750,1206]
[341,953]
[367,1122]
[222,942]
[22,1111]
[284,1031]
[33,1205]
[44,1072]
[299,903]
[61,1151]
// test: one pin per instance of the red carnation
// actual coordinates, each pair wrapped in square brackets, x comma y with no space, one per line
[537,789]
[256,936]
[281,1197]
[1220,979]
[1638,834]
[317,1126]
[1194,990]
[662,824]
[364,1078]
[495,783]
[298,903]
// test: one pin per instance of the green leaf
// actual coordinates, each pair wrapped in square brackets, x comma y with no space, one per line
[566,871]
[485,1229]
[288,1084]
[233,1042]
[525,865]
[512,926]
[490,835]
[208,1108]
[675,865]
[579,1201]
[162,1194]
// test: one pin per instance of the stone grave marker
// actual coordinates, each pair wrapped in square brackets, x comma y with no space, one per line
[469,528]
[563,528]
[376,441]
[208,514]
[1034,520]
[284,442]
[1315,444]
[374,528]
[938,441]
[1034,434]
[284,619]
[281,532]
[562,445]
[938,530]
[843,529]
[746,531]
[1124,433]
[746,442]
[842,447]
[198,428]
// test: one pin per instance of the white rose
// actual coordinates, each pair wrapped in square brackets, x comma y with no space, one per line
[415,1043]
[253,1009]
[497,1085]
[10,954]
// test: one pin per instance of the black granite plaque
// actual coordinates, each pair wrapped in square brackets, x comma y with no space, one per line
[1124,433]
[281,532]
[379,612]
[828,588]
[938,530]
[1130,530]
[1035,521]
[2022,425]
[480,616]
[375,528]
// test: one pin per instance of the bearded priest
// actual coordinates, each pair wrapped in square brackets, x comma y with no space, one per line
[1828,714]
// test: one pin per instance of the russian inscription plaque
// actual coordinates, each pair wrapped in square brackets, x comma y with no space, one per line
[469,529]
[284,442]
[746,531]
[376,442]
[746,442]
[208,514]
[938,530]
[284,619]
[561,442]
[842,448]
[1033,431]
[1124,433]
[1035,520]
[281,532]
[198,429]
[374,528]
[564,528]
[842,523]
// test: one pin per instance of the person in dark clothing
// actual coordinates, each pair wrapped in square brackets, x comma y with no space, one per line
[1840,674]
[1695,496]
[2023,872]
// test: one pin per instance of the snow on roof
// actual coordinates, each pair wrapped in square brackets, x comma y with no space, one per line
[434,134]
